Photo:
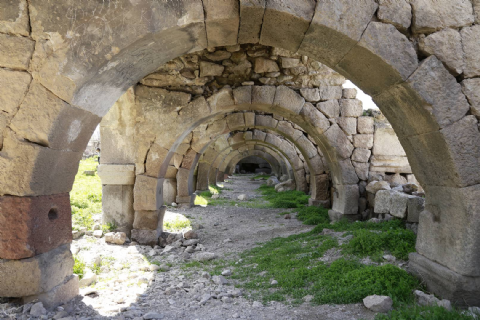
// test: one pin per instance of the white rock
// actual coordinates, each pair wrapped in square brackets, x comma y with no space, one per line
[424,299]
[242,197]
[98,233]
[38,310]
[257,304]
[204,256]
[220,280]
[88,278]
[378,303]
[226,272]
[274,282]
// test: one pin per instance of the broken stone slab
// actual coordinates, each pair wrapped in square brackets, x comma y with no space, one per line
[288,185]
[115,237]
[376,303]
[424,299]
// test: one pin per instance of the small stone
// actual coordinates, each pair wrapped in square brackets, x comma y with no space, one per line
[174,204]
[287,216]
[38,310]
[152,315]
[88,278]
[205,298]
[204,256]
[191,242]
[226,272]
[424,299]
[376,303]
[389,257]
[257,304]
[116,238]
[308,298]
[242,197]
[190,235]
[220,280]
[98,233]
[274,282]
[215,196]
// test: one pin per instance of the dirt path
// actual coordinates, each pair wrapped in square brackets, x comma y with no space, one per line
[128,287]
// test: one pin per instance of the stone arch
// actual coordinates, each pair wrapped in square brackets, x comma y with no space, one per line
[81,74]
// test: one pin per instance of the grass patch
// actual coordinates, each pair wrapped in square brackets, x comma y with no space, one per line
[79,267]
[295,263]
[86,195]
[176,224]
[286,199]
[424,313]
[399,242]
[313,215]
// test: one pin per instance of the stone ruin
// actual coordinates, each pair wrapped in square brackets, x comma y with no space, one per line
[60,74]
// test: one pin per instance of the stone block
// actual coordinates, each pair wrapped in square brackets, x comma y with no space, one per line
[36,275]
[396,12]
[116,174]
[310,94]
[430,16]
[365,125]
[383,201]
[440,90]
[16,51]
[319,203]
[348,125]
[382,58]
[263,65]
[361,169]
[222,22]
[209,69]
[338,139]
[184,187]
[147,193]
[361,155]
[251,19]
[330,93]
[320,188]
[459,289]
[414,207]
[222,100]
[31,226]
[446,45]
[471,89]
[329,108]
[288,99]
[335,29]
[149,220]
[449,228]
[169,191]
[265,122]
[146,237]
[235,121]
[471,47]
[386,143]
[117,206]
[351,108]
[57,296]
[363,141]
[345,199]
[243,95]
[285,23]
[60,126]
[398,204]
[14,18]
[263,95]
[311,115]
[349,93]
[13,87]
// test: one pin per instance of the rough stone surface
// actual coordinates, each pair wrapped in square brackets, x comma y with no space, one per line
[396,12]
[446,45]
[16,51]
[34,225]
[471,88]
[430,16]
[376,303]
[471,47]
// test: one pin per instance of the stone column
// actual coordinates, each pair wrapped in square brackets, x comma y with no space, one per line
[212,176]
[320,191]
[117,195]
[185,196]
[220,176]
[202,176]
[35,257]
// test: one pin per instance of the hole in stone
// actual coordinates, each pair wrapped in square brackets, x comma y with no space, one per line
[53,214]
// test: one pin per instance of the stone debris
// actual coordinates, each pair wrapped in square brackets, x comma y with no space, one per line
[116,238]
[424,299]
[376,303]
[288,185]
[37,310]
[242,197]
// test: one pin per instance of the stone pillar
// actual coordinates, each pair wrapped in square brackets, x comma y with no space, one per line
[149,210]
[117,195]
[185,196]
[320,195]
[220,176]
[35,257]
[345,202]
[448,244]
[212,176]
[202,176]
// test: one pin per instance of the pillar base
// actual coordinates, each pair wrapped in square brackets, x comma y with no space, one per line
[447,284]
[186,201]
[336,216]
[59,295]
[319,203]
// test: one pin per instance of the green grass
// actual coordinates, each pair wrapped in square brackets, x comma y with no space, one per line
[286,199]
[424,313]
[295,263]
[86,195]
[79,267]
[177,224]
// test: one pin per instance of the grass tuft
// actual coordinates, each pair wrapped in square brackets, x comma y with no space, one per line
[79,267]
[424,313]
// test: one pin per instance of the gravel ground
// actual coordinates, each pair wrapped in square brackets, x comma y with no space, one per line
[128,287]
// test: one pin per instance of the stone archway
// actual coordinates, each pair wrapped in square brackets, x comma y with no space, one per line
[79,73]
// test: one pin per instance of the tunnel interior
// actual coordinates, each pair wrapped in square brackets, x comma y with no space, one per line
[253,164]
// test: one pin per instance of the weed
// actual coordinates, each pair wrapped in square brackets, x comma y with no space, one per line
[78,267]
[176,224]
[313,215]
[286,199]
[261,176]
[109,227]
[424,313]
